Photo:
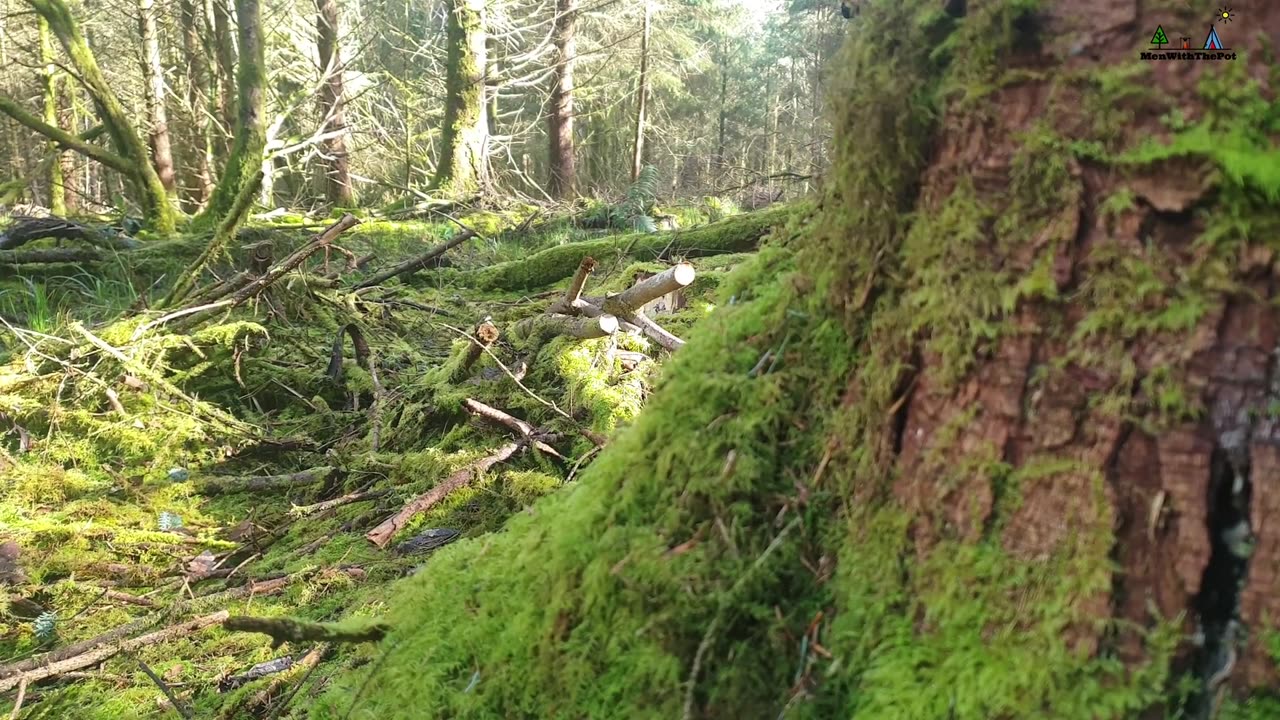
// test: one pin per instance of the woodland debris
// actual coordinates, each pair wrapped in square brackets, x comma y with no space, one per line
[164,688]
[10,570]
[265,483]
[348,499]
[358,345]
[50,255]
[24,229]
[257,705]
[382,534]
[565,305]
[520,428]
[628,303]
[283,630]
[103,652]
[257,672]
[415,264]
[427,540]
[485,335]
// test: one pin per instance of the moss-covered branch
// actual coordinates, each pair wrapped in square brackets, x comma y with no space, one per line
[283,630]
[94,152]
[264,483]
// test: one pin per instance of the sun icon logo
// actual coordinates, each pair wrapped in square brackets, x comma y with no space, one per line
[1224,15]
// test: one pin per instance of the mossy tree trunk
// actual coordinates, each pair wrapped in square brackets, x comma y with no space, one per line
[561,159]
[463,164]
[223,87]
[242,172]
[1017,446]
[148,189]
[197,183]
[49,74]
[335,175]
[157,113]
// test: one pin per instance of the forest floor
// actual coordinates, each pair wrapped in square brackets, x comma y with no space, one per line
[257,455]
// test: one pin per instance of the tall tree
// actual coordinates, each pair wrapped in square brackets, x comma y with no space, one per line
[157,114]
[49,74]
[462,166]
[242,173]
[198,185]
[642,95]
[222,37]
[561,159]
[335,174]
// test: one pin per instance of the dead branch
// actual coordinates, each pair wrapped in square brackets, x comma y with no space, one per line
[257,672]
[358,344]
[51,255]
[348,499]
[519,427]
[415,264]
[630,301]
[565,305]
[164,688]
[542,327]
[655,332]
[283,630]
[382,534]
[264,483]
[103,652]
[263,697]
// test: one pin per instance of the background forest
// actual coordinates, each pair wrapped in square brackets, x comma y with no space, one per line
[728,96]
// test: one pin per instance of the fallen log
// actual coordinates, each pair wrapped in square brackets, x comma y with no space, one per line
[415,264]
[543,327]
[24,229]
[518,427]
[382,534]
[264,483]
[630,301]
[51,255]
[739,233]
[283,630]
[103,652]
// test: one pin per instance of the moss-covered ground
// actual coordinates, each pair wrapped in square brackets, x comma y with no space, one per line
[111,427]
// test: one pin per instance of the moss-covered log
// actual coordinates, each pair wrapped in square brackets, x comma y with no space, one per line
[265,483]
[539,328]
[283,630]
[740,233]
[1017,321]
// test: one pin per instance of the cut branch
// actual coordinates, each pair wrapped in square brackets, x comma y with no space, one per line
[382,534]
[264,483]
[519,427]
[655,331]
[415,264]
[283,630]
[486,334]
[348,499]
[646,291]
[542,327]
[566,304]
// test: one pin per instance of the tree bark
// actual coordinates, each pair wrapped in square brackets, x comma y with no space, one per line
[49,74]
[157,114]
[462,165]
[335,174]
[642,95]
[197,186]
[243,172]
[543,327]
[224,85]
[563,179]
[148,189]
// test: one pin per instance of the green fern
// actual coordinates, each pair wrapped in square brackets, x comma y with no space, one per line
[635,210]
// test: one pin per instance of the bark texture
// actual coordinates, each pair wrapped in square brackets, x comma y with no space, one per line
[642,95]
[462,167]
[562,160]
[334,166]
[157,113]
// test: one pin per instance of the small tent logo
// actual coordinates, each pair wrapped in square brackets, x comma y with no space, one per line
[1213,42]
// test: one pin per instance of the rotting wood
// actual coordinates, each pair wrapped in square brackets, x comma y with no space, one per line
[24,229]
[415,264]
[565,305]
[519,427]
[264,483]
[485,335]
[359,346]
[103,652]
[655,332]
[382,534]
[283,630]
[51,255]
[542,327]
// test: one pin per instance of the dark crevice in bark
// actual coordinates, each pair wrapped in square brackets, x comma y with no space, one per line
[1217,604]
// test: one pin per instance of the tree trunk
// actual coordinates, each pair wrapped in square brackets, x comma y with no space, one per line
[242,172]
[563,165]
[335,175]
[642,96]
[1016,455]
[224,87]
[157,115]
[149,191]
[724,94]
[462,167]
[198,183]
[49,74]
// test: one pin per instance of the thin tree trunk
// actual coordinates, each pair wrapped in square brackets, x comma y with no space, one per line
[157,115]
[642,96]
[224,53]
[491,85]
[724,92]
[199,184]
[16,169]
[563,164]
[462,166]
[49,74]
[335,173]
[243,169]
